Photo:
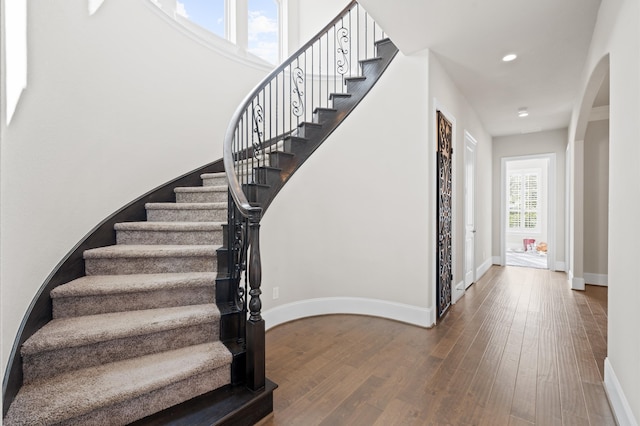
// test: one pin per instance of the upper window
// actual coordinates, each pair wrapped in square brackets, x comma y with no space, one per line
[254,25]
[263,29]
[209,14]
[524,201]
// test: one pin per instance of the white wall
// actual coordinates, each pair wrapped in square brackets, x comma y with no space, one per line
[371,186]
[617,35]
[553,141]
[349,231]
[444,94]
[116,104]
[596,199]
[314,15]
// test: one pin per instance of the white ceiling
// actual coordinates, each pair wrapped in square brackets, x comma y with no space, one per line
[470,37]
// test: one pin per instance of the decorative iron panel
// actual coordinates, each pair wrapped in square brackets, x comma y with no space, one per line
[445,274]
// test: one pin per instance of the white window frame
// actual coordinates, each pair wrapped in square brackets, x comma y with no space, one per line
[236,26]
[522,208]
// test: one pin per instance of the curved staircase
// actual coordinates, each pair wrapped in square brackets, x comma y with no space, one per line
[164,326]
[141,331]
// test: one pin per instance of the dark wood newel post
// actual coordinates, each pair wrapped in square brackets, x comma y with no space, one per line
[255,324]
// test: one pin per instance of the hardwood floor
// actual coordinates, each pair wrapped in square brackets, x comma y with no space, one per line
[520,348]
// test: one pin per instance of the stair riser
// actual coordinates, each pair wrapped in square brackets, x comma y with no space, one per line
[170,237]
[372,68]
[269,177]
[309,130]
[214,181]
[187,215]
[101,304]
[282,160]
[323,116]
[144,405]
[343,103]
[355,86]
[48,364]
[202,197]
[294,145]
[385,49]
[127,266]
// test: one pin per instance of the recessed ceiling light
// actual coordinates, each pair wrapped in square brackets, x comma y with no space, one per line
[522,112]
[510,57]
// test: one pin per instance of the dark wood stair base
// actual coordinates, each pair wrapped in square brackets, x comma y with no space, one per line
[227,406]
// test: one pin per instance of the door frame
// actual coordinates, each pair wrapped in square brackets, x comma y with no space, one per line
[470,142]
[551,205]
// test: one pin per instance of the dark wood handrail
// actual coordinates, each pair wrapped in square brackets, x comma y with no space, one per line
[275,116]
[239,197]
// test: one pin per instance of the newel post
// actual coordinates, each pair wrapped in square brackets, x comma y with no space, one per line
[255,324]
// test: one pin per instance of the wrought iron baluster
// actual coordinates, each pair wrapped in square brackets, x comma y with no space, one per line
[266,117]
[343,40]
[258,131]
[297,92]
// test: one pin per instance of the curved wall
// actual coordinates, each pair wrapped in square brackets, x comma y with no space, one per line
[117,103]
[348,233]
[352,231]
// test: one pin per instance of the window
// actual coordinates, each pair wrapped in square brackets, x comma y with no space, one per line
[263,29]
[209,14]
[524,201]
[253,25]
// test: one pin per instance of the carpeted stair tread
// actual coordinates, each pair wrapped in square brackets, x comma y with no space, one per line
[214,174]
[197,211]
[199,189]
[168,226]
[186,206]
[90,329]
[201,194]
[114,284]
[79,393]
[149,251]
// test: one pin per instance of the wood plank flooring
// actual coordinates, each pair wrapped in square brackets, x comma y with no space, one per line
[520,348]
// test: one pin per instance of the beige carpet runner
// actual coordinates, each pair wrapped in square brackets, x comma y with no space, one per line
[140,332]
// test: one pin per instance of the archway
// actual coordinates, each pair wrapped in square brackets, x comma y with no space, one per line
[576,175]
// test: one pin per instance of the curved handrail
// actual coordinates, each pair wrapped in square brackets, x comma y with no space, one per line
[279,116]
[235,188]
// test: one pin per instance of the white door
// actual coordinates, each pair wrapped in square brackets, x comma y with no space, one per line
[469,209]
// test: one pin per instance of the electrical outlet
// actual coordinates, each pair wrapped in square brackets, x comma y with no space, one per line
[276,292]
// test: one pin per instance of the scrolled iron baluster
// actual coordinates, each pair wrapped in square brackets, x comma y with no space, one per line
[258,121]
[240,264]
[297,92]
[342,38]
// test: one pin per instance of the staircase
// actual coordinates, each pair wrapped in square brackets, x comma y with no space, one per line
[141,331]
[162,325]
[264,174]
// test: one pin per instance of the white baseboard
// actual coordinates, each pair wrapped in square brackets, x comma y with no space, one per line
[496,260]
[561,267]
[457,292]
[422,317]
[596,279]
[617,399]
[576,283]
[482,269]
